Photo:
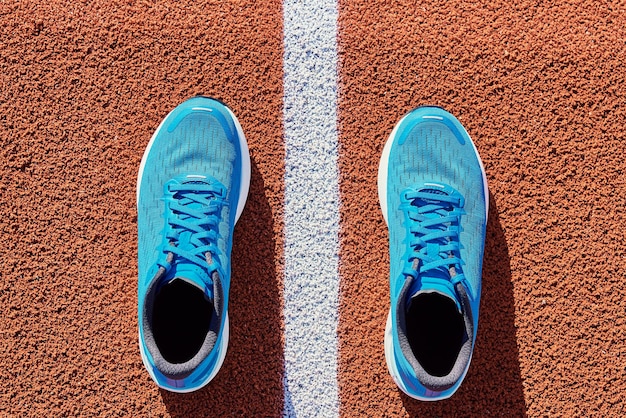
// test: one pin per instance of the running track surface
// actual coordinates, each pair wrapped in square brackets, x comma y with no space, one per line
[540,86]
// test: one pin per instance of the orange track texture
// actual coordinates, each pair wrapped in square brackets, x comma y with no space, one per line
[83,86]
[540,86]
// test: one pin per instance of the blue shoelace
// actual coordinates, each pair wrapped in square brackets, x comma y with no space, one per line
[434,218]
[193,220]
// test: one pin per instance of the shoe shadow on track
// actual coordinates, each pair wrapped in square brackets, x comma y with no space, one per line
[250,380]
[493,385]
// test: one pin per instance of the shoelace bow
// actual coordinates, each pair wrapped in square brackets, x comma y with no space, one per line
[435,239]
[196,224]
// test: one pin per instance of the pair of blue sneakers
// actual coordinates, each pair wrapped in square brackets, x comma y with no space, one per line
[192,186]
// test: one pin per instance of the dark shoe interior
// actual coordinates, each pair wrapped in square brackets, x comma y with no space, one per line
[436,332]
[180,320]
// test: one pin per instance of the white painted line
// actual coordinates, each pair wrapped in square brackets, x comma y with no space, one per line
[311,279]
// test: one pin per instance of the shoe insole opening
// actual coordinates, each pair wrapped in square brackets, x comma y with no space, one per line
[180,320]
[435,331]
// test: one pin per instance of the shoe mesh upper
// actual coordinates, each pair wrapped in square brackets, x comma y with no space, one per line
[431,153]
[197,145]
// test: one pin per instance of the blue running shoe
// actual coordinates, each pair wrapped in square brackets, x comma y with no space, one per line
[434,197]
[192,186]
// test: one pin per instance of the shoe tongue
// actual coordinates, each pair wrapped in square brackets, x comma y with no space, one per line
[432,285]
[204,181]
[434,189]
[219,188]
[193,275]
